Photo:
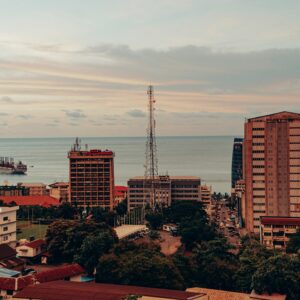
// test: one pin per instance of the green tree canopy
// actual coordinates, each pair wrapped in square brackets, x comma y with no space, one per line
[64,238]
[142,265]
[293,245]
[278,274]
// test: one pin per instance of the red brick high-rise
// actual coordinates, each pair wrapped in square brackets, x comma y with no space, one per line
[271,167]
[91,178]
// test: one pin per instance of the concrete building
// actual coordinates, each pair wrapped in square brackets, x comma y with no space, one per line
[13,190]
[276,231]
[120,193]
[8,225]
[237,161]
[168,189]
[35,188]
[91,178]
[206,195]
[60,191]
[271,167]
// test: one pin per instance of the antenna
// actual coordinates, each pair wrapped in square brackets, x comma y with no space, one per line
[77,145]
[151,166]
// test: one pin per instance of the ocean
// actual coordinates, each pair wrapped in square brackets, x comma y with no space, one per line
[46,158]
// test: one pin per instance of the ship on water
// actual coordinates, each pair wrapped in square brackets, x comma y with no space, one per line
[8,166]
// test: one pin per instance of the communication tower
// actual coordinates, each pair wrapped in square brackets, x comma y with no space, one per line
[151,165]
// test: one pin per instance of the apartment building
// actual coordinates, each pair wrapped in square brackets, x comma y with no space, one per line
[271,167]
[275,232]
[8,225]
[167,190]
[91,178]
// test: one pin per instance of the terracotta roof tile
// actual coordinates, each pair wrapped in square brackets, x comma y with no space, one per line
[45,201]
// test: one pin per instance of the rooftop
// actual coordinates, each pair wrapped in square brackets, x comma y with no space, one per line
[34,244]
[59,184]
[8,273]
[171,177]
[127,230]
[98,291]
[33,184]
[280,220]
[44,201]
[92,152]
[279,115]
[6,251]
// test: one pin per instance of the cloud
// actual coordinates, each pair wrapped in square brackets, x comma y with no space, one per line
[136,113]
[74,114]
[6,99]
[190,83]
[25,117]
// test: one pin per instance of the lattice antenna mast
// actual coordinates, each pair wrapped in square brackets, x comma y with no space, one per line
[151,167]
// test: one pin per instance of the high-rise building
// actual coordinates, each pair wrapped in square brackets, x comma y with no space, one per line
[167,189]
[271,167]
[91,178]
[237,161]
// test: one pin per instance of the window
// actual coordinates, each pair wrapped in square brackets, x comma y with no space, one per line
[5,238]
[5,228]
[5,218]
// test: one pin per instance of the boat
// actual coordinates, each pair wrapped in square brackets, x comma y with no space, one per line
[8,166]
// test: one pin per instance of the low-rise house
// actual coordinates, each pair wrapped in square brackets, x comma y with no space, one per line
[8,258]
[8,225]
[11,285]
[98,291]
[31,249]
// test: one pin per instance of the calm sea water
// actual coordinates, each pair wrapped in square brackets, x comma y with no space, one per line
[46,158]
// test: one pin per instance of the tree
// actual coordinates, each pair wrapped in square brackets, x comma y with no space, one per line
[195,230]
[278,274]
[215,264]
[128,261]
[155,219]
[251,256]
[92,248]
[293,245]
[65,238]
[66,211]
[121,208]
[182,210]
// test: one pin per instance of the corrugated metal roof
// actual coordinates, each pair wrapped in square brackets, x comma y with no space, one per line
[98,291]
[8,273]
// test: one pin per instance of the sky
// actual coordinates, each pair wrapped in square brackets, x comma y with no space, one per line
[81,68]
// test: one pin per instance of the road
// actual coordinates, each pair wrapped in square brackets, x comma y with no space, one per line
[223,220]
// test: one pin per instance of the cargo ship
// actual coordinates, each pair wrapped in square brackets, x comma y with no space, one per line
[8,166]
